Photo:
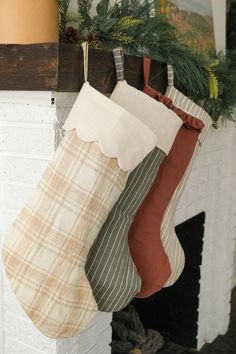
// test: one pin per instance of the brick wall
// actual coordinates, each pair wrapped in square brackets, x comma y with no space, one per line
[26,145]
[212,188]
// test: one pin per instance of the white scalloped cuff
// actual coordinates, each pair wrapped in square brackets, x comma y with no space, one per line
[119,134]
[164,123]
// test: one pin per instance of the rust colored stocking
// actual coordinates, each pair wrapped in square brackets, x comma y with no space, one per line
[145,242]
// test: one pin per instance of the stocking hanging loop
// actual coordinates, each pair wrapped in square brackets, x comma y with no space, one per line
[170,73]
[119,63]
[85,48]
[146,70]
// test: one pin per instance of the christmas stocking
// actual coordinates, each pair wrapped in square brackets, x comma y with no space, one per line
[46,248]
[170,241]
[144,237]
[110,269]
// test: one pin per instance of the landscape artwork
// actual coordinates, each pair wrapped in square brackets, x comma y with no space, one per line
[194,20]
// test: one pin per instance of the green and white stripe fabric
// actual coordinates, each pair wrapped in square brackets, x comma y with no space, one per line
[109,268]
[169,239]
[119,63]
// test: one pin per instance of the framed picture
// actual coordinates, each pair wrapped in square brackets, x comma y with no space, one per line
[194,20]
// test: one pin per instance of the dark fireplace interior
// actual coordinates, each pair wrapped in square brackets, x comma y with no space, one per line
[173,311]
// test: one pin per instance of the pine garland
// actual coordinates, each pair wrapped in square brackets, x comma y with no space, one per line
[63,9]
[142,29]
[222,107]
[84,7]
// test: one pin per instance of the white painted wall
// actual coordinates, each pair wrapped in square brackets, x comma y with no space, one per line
[219,17]
[26,146]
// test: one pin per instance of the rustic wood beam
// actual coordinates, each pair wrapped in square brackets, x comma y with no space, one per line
[60,68]
[28,67]
[102,70]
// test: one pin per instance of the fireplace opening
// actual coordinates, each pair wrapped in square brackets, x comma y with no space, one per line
[173,311]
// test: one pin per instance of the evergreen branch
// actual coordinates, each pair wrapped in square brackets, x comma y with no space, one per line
[127,22]
[63,8]
[84,8]
[124,39]
[133,25]
[74,18]
[213,85]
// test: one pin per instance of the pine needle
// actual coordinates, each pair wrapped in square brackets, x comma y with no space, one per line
[141,28]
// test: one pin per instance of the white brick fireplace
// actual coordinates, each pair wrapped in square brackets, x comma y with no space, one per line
[27,132]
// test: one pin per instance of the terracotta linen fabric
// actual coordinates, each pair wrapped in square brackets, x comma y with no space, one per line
[145,242]
[144,236]
[46,248]
[168,236]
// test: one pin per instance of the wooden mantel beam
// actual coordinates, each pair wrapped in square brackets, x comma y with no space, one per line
[60,68]
[28,67]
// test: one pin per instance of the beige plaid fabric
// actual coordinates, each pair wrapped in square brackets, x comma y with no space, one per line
[46,249]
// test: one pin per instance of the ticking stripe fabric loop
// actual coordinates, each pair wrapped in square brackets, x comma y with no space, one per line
[118,55]
[170,75]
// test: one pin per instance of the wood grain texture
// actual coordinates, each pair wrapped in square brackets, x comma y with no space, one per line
[60,68]
[102,70]
[28,67]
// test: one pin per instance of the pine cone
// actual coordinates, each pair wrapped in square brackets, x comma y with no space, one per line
[72,35]
[136,351]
